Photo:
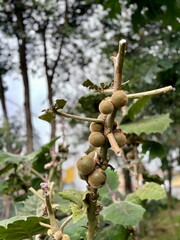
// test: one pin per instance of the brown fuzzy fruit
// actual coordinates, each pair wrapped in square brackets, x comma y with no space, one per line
[58,235]
[119,99]
[86,165]
[101,117]
[66,237]
[82,176]
[96,127]
[97,139]
[97,179]
[106,106]
[130,154]
[120,138]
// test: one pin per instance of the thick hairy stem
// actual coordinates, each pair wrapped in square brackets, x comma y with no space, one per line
[114,144]
[92,214]
[68,115]
[54,225]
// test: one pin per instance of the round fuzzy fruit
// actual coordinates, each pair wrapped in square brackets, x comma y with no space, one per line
[93,154]
[119,99]
[86,165]
[66,237]
[97,139]
[101,117]
[82,176]
[130,154]
[96,127]
[97,179]
[106,106]
[120,138]
[58,235]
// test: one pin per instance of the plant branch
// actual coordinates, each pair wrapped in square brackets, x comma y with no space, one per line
[151,92]
[118,64]
[114,144]
[36,193]
[76,117]
[54,225]
[45,225]
[37,174]
[142,94]
[92,214]
[68,219]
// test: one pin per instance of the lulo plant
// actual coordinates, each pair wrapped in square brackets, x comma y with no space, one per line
[104,134]
[95,168]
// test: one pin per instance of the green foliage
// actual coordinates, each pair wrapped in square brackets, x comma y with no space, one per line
[21,227]
[155,149]
[124,213]
[155,124]
[112,232]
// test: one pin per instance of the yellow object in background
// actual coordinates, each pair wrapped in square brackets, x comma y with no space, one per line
[69,175]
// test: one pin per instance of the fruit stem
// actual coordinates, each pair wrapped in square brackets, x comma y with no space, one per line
[36,193]
[76,117]
[118,64]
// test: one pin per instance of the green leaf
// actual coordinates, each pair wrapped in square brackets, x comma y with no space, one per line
[124,213]
[151,191]
[112,183]
[21,227]
[136,107]
[10,158]
[152,178]
[155,149]
[32,205]
[133,198]
[3,186]
[155,124]
[90,85]
[125,86]
[77,230]
[48,115]
[78,212]
[60,103]
[73,196]
[112,232]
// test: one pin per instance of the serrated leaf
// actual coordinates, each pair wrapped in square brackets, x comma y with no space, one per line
[151,191]
[155,149]
[90,85]
[74,196]
[155,124]
[123,213]
[47,116]
[60,103]
[32,205]
[112,232]
[10,158]
[21,227]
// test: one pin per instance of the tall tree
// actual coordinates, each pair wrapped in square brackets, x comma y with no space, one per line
[13,16]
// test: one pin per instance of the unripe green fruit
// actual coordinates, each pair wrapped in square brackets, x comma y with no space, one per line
[120,138]
[106,106]
[119,99]
[86,165]
[66,237]
[97,139]
[96,127]
[58,235]
[97,179]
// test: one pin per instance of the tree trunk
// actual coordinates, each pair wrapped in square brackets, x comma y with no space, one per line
[127,179]
[5,114]
[21,37]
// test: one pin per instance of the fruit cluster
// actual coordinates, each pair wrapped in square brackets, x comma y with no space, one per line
[90,167]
